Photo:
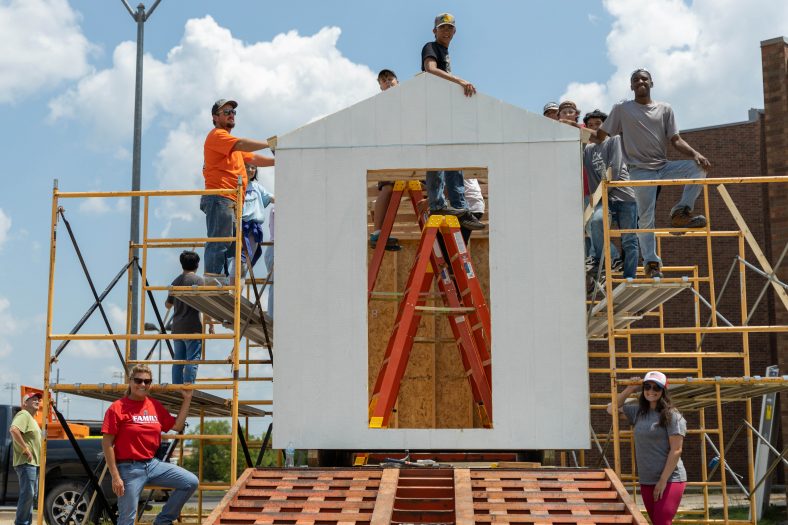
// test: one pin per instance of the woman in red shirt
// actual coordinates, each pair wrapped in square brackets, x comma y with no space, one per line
[132,434]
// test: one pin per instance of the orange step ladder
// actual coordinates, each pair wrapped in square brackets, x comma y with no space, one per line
[466,308]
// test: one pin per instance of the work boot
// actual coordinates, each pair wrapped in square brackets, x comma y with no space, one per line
[652,270]
[392,243]
[682,218]
[592,267]
[447,210]
[469,222]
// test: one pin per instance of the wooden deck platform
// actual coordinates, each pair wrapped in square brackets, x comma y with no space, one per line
[428,495]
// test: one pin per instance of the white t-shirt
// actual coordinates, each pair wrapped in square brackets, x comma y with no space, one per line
[473,196]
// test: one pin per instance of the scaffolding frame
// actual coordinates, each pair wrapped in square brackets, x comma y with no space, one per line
[716,391]
[203,404]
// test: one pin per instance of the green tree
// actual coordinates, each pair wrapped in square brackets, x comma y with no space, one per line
[216,456]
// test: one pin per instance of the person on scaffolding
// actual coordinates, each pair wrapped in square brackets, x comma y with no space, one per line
[658,430]
[647,126]
[622,205]
[132,434]
[225,157]
[186,320]
[256,201]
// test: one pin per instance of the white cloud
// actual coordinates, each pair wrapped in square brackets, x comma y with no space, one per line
[91,349]
[5,227]
[42,45]
[97,206]
[117,317]
[704,56]
[8,326]
[279,85]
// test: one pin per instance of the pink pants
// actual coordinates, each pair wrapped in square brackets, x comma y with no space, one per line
[662,512]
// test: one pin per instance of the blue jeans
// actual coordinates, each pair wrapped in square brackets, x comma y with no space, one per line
[188,350]
[28,493]
[625,215]
[219,216]
[269,264]
[647,198]
[452,181]
[154,472]
[591,250]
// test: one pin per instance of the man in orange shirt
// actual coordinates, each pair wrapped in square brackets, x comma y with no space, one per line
[225,156]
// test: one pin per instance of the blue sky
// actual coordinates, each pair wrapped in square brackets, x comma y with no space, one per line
[66,89]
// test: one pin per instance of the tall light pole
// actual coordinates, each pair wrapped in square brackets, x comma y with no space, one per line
[140,16]
[10,387]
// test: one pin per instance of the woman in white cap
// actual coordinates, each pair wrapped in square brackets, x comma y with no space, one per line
[658,431]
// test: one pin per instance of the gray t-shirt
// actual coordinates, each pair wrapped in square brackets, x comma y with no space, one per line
[185,319]
[652,444]
[646,129]
[597,158]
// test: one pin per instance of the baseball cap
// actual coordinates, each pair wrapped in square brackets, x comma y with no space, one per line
[30,396]
[221,102]
[656,377]
[550,106]
[568,104]
[445,19]
[595,114]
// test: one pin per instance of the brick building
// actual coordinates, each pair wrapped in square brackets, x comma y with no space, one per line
[756,147]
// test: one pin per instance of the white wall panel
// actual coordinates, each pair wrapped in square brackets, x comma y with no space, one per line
[540,380]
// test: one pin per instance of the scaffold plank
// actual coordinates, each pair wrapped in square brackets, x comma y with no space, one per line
[631,301]
[220,305]
[694,394]
[202,402]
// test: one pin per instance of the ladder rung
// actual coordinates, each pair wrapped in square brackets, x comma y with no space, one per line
[445,310]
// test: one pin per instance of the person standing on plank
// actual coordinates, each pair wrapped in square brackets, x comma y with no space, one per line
[224,161]
[435,60]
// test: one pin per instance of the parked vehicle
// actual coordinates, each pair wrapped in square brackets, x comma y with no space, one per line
[65,476]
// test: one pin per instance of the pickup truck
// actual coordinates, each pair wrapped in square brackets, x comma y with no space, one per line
[65,477]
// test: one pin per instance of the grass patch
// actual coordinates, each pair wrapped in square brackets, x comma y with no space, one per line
[773,516]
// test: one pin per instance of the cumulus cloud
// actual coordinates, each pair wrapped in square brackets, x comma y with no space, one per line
[42,45]
[5,227]
[279,84]
[102,206]
[8,326]
[704,56]
[91,349]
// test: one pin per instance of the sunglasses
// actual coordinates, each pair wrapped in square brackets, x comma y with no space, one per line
[651,386]
[140,381]
[229,111]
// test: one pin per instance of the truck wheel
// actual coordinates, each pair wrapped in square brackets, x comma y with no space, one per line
[61,498]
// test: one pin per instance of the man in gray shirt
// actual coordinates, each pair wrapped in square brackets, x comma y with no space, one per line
[646,127]
[621,201]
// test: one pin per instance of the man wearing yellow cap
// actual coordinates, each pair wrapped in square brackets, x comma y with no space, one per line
[435,60]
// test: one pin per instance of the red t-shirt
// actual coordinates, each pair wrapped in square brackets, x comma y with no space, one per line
[222,165]
[137,427]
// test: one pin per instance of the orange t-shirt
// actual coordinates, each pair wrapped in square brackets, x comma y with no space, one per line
[222,165]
